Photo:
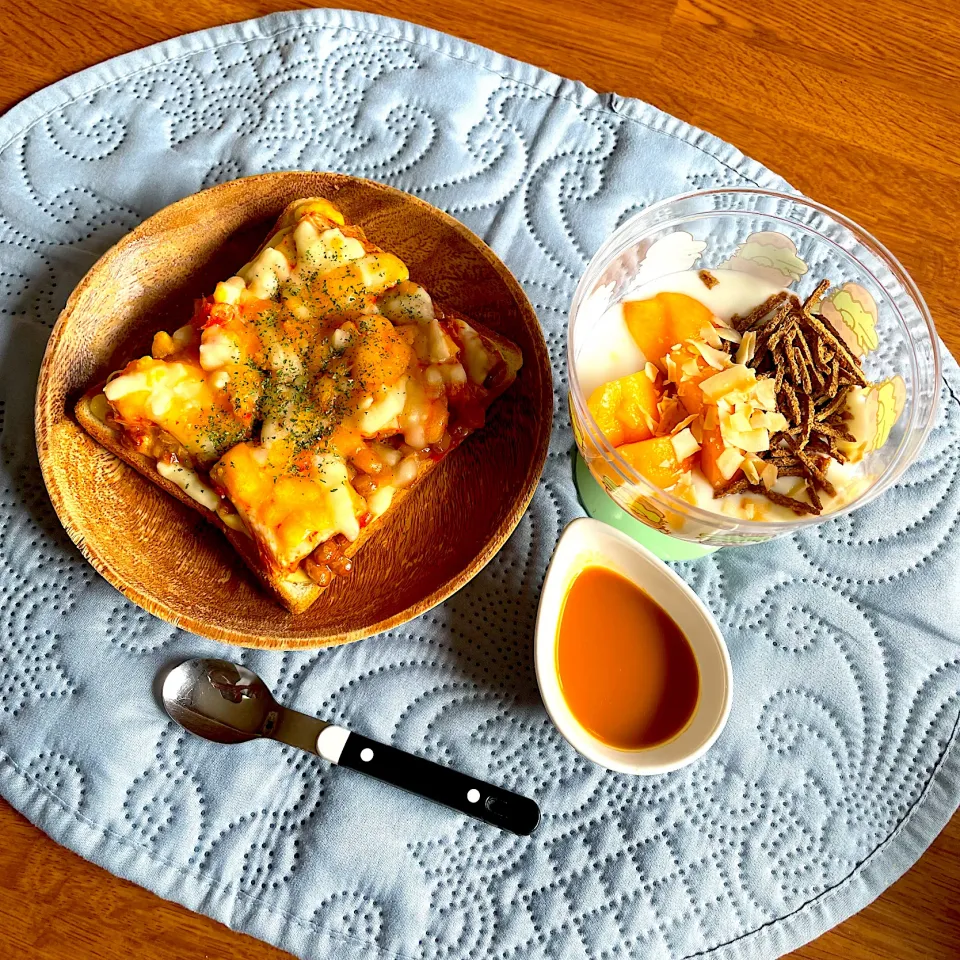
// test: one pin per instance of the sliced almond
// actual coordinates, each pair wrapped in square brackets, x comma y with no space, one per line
[715,358]
[671,367]
[748,347]
[738,420]
[651,422]
[764,420]
[710,336]
[735,377]
[750,470]
[765,393]
[652,372]
[728,463]
[671,413]
[683,424]
[684,445]
[776,422]
[768,475]
[730,335]
[753,441]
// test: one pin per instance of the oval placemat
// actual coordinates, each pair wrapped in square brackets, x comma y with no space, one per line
[839,762]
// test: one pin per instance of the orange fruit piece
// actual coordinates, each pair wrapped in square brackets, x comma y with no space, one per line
[603,405]
[621,408]
[656,324]
[655,459]
[711,446]
[650,327]
[690,395]
[639,397]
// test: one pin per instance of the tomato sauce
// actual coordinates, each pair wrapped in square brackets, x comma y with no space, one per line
[627,672]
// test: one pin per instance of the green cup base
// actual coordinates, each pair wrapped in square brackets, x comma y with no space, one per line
[599,505]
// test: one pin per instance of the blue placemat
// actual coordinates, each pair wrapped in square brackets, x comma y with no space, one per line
[839,763]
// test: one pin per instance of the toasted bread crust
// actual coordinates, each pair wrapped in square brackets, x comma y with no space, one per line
[295,595]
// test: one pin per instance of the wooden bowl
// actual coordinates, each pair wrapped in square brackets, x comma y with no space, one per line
[164,556]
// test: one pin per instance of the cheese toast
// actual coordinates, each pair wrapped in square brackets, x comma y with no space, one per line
[304,400]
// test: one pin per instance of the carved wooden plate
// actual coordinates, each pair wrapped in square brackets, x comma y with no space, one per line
[164,556]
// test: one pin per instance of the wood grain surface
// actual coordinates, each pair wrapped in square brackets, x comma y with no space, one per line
[854,103]
[458,515]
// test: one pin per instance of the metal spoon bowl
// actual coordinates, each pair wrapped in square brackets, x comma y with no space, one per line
[219,700]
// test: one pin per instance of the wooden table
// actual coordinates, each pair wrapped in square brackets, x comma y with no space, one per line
[856,104]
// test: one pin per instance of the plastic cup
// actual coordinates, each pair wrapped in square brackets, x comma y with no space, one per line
[795,243]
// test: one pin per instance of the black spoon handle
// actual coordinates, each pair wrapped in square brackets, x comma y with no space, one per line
[495,806]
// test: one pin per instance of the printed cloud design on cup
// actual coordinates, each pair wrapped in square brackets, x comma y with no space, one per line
[890,398]
[853,313]
[646,512]
[769,256]
[670,254]
[637,505]
[875,411]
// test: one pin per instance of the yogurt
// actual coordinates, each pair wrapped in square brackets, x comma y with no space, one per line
[607,351]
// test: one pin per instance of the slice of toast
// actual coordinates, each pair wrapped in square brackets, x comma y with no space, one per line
[296,593]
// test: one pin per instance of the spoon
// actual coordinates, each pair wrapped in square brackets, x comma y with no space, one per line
[227,703]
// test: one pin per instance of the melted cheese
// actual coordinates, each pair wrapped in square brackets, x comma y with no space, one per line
[383,412]
[476,358]
[290,503]
[178,398]
[317,248]
[190,483]
[422,416]
[441,346]
[218,349]
[342,498]
[324,341]
[408,302]
[317,269]
[380,500]
[313,206]
[233,520]
[446,373]
[264,274]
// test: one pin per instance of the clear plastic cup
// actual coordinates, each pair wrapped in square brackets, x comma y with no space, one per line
[795,243]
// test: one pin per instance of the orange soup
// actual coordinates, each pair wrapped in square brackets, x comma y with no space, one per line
[626,669]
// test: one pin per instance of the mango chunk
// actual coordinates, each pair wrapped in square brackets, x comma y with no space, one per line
[660,322]
[712,449]
[655,459]
[691,396]
[603,405]
[624,409]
